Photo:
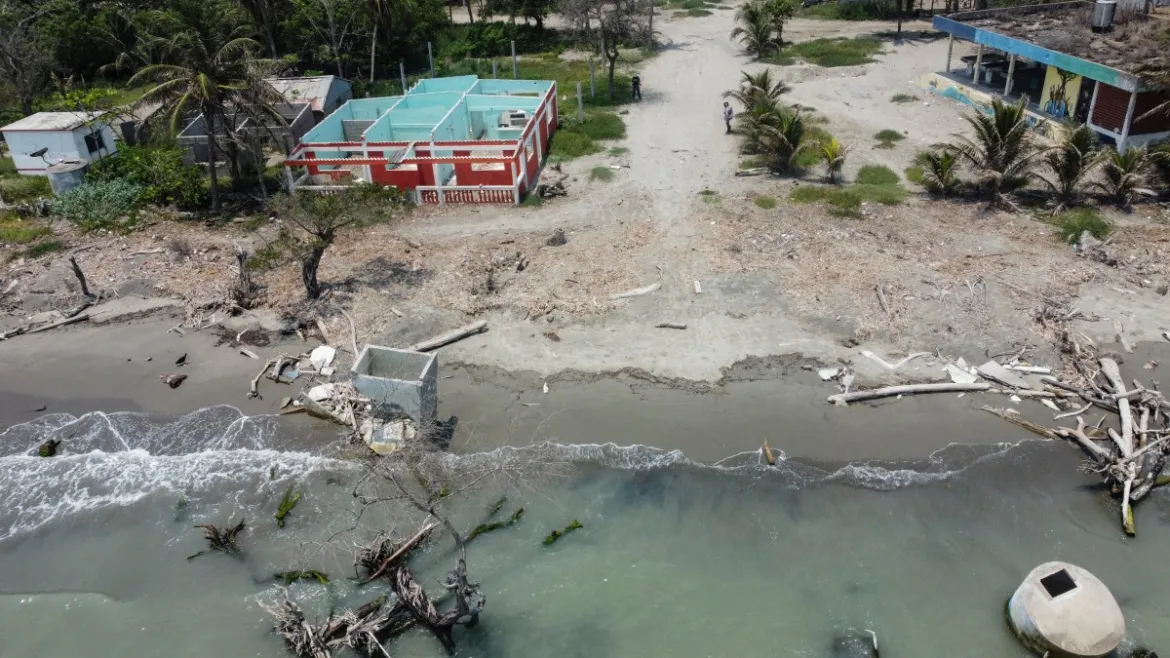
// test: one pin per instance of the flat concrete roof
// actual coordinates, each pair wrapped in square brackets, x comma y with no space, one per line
[52,121]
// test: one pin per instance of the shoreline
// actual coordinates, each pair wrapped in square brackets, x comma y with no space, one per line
[780,399]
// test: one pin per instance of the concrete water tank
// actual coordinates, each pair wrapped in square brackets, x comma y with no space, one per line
[399,383]
[1062,610]
[66,175]
[1103,13]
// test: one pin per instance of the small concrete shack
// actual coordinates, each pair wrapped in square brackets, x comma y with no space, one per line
[1062,610]
[56,137]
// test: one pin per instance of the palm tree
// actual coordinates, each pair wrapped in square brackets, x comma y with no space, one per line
[1127,175]
[781,136]
[756,30]
[1070,162]
[940,172]
[757,88]
[833,154]
[208,52]
[1001,152]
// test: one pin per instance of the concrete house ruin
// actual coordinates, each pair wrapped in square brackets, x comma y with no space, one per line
[448,140]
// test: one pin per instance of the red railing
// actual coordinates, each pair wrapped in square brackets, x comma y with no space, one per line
[467,195]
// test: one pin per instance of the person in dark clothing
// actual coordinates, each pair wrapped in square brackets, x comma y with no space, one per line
[728,114]
[636,87]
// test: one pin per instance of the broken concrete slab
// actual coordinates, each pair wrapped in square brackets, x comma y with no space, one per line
[131,308]
[959,375]
[1001,375]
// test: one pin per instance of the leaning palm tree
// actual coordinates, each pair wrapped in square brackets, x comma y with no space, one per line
[1070,162]
[1001,153]
[1126,176]
[756,30]
[833,153]
[207,50]
[757,88]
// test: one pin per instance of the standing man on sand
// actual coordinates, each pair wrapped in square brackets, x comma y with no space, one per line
[728,113]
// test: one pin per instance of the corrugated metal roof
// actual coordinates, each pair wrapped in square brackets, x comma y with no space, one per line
[313,90]
[52,121]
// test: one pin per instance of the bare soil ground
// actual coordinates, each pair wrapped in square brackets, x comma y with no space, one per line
[793,279]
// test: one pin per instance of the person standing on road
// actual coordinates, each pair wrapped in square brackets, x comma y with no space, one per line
[728,113]
[636,87]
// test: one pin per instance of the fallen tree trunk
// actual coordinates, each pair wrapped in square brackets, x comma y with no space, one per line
[909,389]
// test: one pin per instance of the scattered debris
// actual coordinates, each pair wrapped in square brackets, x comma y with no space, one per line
[287,502]
[558,238]
[894,366]
[450,336]
[322,356]
[754,171]
[172,379]
[181,361]
[636,292]
[178,329]
[290,577]
[223,541]
[49,448]
[993,371]
[959,375]
[881,295]
[828,374]
[698,288]
[670,325]
[557,534]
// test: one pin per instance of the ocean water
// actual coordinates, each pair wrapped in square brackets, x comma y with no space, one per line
[675,558]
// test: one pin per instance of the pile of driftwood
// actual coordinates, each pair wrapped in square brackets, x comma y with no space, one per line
[1129,453]
[366,628]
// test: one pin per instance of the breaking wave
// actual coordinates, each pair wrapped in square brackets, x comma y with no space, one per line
[115,460]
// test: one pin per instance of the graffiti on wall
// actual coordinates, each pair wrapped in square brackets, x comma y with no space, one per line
[1061,89]
[981,101]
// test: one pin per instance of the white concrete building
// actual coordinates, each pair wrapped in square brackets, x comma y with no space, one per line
[44,139]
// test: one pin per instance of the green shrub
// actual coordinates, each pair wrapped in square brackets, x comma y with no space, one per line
[19,189]
[159,171]
[617,150]
[532,201]
[914,174]
[889,136]
[877,175]
[830,52]
[42,249]
[495,39]
[574,139]
[1072,223]
[903,98]
[110,205]
[692,13]
[708,195]
[861,10]
[7,166]
[753,162]
[848,199]
[601,174]
[765,202]
[567,145]
[18,232]
[599,125]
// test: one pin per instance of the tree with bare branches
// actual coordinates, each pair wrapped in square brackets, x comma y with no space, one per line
[322,216]
[611,23]
[25,63]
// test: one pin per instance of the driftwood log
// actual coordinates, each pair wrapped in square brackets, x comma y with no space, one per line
[450,337]
[909,389]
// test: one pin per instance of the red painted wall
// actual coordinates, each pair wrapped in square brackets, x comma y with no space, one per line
[1112,104]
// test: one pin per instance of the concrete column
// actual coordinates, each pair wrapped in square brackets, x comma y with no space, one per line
[438,180]
[1093,103]
[1125,127]
[515,66]
[950,50]
[515,182]
[580,104]
[978,63]
[1007,88]
[431,58]
[288,179]
[402,75]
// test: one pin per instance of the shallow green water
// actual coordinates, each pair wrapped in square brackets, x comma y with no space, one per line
[675,559]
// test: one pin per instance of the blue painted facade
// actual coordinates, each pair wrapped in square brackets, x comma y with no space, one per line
[1091,70]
